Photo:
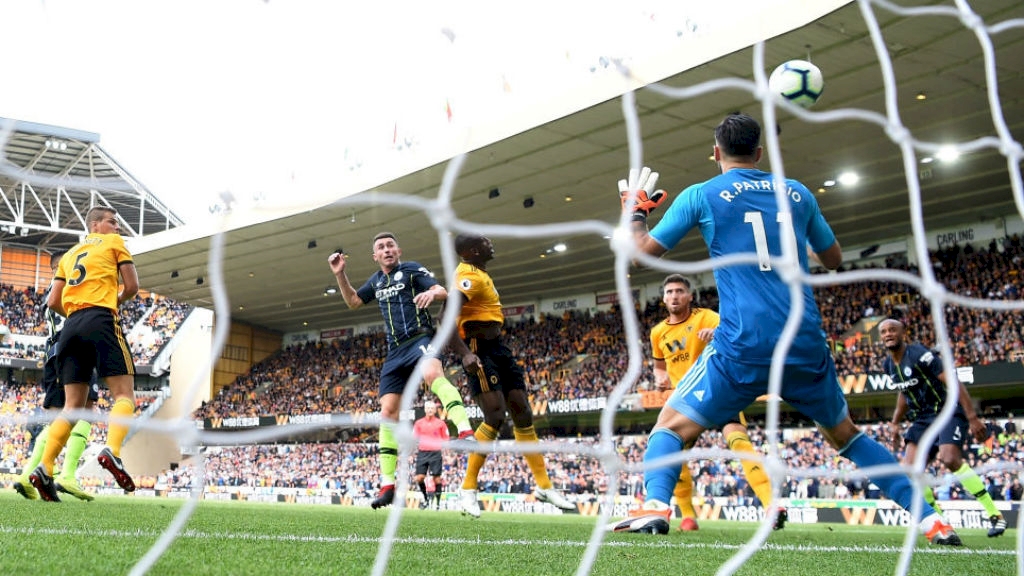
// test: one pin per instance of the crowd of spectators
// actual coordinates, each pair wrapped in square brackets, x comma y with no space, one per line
[977,336]
[583,354]
[147,337]
[23,311]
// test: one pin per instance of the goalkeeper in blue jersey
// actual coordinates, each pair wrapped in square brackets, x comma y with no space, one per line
[737,213]
[917,372]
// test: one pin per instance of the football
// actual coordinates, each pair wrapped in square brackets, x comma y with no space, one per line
[647,524]
[798,81]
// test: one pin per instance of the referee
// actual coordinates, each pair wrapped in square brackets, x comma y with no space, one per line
[432,433]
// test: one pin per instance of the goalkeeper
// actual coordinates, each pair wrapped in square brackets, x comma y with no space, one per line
[738,213]
[676,342]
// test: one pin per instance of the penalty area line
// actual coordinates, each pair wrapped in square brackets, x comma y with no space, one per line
[354,539]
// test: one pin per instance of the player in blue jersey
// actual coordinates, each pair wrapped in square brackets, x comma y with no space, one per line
[736,213]
[917,372]
[404,291]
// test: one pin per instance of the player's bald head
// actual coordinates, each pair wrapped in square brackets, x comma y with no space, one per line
[892,323]
[466,242]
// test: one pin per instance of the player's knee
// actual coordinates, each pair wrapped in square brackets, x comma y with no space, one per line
[732,427]
[522,419]
[841,434]
[951,461]
[494,419]
[432,370]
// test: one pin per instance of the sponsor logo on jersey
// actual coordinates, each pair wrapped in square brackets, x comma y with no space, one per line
[389,292]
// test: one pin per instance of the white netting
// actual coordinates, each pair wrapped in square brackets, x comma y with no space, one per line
[446,221]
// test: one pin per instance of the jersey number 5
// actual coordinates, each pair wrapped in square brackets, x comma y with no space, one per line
[764,258]
[79,270]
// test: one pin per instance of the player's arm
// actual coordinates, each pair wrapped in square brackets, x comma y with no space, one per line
[643,239]
[661,374]
[978,428]
[129,282]
[470,361]
[430,295]
[337,263]
[831,257]
[897,416]
[53,299]
[822,244]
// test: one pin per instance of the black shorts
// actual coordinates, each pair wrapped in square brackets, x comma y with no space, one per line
[956,432]
[428,462]
[53,390]
[501,372]
[92,340]
[401,361]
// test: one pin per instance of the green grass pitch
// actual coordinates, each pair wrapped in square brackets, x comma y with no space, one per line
[110,535]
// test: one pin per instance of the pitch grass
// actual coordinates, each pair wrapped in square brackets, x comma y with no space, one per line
[110,535]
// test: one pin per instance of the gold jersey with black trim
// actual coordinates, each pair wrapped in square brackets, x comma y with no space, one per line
[482,303]
[678,344]
[90,271]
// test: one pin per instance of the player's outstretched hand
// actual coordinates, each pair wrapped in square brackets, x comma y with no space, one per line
[647,197]
[337,261]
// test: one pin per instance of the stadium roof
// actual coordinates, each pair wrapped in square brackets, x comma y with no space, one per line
[277,280]
[50,177]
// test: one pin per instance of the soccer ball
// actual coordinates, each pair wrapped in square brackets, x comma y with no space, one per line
[798,81]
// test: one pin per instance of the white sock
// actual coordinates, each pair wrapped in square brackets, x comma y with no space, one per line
[929,521]
[655,505]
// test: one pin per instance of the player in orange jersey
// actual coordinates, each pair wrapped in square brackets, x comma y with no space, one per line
[495,378]
[85,291]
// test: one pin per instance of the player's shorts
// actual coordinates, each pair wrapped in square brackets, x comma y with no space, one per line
[401,361]
[957,431]
[428,462]
[500,370]
[716,389]
[53,390]
[92,340]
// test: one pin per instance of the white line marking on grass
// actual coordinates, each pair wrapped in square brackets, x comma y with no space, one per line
[353,539]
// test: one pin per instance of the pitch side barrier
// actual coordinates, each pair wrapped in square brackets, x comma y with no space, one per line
[960,513]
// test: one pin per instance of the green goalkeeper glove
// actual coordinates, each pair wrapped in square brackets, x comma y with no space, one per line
[644,201]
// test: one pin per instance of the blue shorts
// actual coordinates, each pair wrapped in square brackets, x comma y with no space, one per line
[401,361]
[716,388]
[956,432]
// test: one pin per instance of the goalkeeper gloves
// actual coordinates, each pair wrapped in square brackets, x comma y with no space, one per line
[645,201]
